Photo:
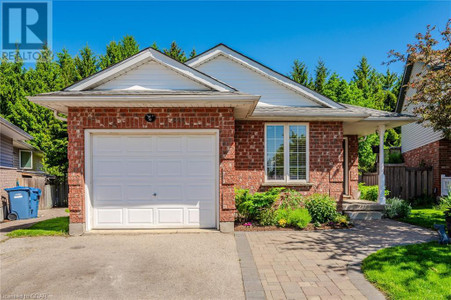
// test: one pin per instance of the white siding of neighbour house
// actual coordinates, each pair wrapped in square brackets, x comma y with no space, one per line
[151,76]
[249,81]
[416,135]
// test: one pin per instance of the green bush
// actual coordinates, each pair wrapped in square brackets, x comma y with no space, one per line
[395,158]
[397,208]
[321,207]
[268,217]
[299,218]
[370,192]
[250,206]
[444,202]
[291,199]
[281,214]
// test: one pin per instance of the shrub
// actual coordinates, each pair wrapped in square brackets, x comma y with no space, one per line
[342,220]
[321,207]
[250,206]
[445,202]
[281,214]
[299,218]
[268,217]
[291,199]
[395,158]
[397,208]
[370,192]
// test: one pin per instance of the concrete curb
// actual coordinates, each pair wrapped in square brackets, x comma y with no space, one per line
[253,288]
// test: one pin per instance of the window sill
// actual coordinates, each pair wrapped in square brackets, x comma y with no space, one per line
[275,183]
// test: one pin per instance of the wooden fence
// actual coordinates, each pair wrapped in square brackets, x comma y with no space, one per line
[54,193]
[403,182]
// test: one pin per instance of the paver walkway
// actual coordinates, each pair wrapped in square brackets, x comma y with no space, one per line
[323,264]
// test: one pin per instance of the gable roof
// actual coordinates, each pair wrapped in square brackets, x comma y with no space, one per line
[224,50]
[146,55]
[402,92]
[10,130]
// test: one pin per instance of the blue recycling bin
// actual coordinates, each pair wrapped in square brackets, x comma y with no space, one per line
[35,196]
[23,202]
[19,202]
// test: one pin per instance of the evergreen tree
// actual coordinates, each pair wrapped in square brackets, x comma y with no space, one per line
[175,52]
[299,73]
[67,67]
[86,62]
[116,52]
[321,73]
[193,53]
[331,88]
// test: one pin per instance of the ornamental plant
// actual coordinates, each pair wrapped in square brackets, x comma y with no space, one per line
[250,206]
[321,207]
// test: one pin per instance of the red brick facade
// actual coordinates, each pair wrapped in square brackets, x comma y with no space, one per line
[326,158]
[80,119]
[437,155]
[241,150]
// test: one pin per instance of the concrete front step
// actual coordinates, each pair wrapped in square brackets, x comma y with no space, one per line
[359,206]
[364,215]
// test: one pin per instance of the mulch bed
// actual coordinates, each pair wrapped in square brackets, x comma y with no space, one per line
[310,227]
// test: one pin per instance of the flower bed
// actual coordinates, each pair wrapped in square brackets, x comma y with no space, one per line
[279,209]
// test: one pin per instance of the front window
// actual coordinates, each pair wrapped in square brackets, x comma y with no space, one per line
[286,152]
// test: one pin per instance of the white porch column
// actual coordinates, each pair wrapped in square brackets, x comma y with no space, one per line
[381,165]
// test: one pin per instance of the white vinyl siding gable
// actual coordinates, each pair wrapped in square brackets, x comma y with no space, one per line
[416,135]
[151,76]
[251,82]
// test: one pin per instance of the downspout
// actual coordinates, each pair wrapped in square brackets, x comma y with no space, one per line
[55,114]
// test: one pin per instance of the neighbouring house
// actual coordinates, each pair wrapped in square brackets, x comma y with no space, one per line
[421,145]
[18,160]
[155,143]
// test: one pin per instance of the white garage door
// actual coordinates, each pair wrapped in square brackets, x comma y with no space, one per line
[154,181]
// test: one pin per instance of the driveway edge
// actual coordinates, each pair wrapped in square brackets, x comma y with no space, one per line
[355,275]
[253,288]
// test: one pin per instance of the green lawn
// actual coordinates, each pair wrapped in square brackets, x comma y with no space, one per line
[421,271]
[425,217]
[57,226]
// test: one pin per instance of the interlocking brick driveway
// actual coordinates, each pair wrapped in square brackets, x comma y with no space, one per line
[322,264]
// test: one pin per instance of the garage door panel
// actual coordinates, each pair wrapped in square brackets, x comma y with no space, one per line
[109,216]
[140,145]
[170,216]
[141,192]
[104,167]
[140,216]
[200,192]
[107,145]
[200,144]
[167,144]
[108,193]
[198,167]
[138,167]
[169,167]
[129,170]
[166,192]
